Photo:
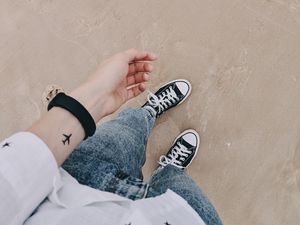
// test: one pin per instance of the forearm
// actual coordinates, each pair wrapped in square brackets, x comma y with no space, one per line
[116,81]
[62,131]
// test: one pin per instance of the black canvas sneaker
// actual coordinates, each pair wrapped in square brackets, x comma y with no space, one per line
[183,150]
[168,96]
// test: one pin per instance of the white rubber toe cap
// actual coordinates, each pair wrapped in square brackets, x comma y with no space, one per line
[183,87]
[190,138]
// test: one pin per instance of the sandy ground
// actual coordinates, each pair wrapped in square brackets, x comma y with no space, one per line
[242,57]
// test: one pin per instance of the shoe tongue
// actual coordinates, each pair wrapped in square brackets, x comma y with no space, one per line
[177,91]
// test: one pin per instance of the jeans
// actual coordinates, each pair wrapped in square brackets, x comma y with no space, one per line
[113,158]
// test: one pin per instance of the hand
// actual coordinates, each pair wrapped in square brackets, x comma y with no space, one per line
[117,80]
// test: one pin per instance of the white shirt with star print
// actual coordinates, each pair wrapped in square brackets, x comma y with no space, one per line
[33,191]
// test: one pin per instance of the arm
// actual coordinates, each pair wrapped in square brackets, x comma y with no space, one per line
[116,81]
[27,167]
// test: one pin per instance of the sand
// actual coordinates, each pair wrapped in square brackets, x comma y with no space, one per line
[242,57]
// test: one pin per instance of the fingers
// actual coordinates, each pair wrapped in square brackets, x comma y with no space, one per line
[136,90]
[137,73]
[139,67]
[137,78]
[133,55]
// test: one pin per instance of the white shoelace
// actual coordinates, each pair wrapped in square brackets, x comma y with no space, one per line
[173,158]
[164,100]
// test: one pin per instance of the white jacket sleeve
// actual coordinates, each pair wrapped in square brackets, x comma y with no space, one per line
[27,171]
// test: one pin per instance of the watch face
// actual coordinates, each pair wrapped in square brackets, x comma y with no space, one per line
[50,92]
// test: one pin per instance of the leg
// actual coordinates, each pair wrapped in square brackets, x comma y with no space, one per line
[171,177]
[116,149]
[112,159]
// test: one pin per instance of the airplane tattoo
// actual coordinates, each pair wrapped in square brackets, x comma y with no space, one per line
[67,139]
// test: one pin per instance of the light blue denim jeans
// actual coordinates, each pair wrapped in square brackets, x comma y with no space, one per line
[113,158]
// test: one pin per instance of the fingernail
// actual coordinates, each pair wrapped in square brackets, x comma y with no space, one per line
[150,67]
[142,87]
[146,76]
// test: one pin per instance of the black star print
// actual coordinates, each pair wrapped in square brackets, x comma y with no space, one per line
[166,223]
[6,145]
